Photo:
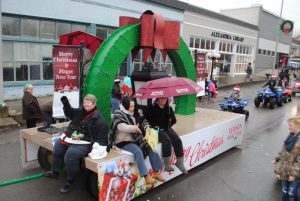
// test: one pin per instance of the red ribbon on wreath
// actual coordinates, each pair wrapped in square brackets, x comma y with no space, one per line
[156,33]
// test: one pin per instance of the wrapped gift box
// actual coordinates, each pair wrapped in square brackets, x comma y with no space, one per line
[114,188]
[130,193]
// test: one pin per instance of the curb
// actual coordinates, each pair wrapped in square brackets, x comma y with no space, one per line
[241,84]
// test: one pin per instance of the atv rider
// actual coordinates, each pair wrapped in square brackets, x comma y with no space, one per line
[272,83]
[235,95]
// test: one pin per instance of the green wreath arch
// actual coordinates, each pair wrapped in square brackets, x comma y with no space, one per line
[109,58]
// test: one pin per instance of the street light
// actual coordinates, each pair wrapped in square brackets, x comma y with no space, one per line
[213,55]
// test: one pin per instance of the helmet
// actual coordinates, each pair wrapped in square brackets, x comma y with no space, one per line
[237,88]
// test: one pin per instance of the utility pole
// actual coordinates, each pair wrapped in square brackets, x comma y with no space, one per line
[277,39]
[1,66]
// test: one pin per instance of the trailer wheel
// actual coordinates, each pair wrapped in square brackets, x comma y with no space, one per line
[92,184]
[45,158]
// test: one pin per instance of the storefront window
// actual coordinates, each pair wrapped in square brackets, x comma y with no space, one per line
[33,52]
[101,32]
[110,31]
[208,44]
[21,71]
[202,44]
[78,27]
[62,28]
[8,71]
[104,32]
[35,71]
[223,47]
[7,51]
[192,42]
[158,63]
[213,45]
[20,51]
[10,26]
[47,69]
[197,43]
[47,29]
[29,28]
[241,63]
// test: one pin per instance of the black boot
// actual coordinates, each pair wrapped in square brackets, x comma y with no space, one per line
[66,187]
[51,174]
[180,164]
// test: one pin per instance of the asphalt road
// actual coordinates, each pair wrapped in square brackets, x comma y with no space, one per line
[241,174]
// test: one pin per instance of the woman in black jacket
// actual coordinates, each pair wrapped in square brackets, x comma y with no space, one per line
[161,116]
[88,126]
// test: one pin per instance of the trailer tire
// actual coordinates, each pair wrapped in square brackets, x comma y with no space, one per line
[45,158]
[92,184]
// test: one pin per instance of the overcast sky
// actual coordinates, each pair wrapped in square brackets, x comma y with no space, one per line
[290,9]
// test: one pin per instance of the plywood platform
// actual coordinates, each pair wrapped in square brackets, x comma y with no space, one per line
[202,118]
[186,125]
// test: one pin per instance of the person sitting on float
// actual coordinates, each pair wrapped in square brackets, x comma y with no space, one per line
[161,116]
[89,126]
[127,135]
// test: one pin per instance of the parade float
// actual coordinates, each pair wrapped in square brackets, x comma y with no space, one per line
[205,133]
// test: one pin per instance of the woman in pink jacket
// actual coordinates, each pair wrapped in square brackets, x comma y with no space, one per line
[212,91]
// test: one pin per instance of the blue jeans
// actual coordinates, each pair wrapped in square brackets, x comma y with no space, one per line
[289,189]
[115,105]
[71,155]
[154,158]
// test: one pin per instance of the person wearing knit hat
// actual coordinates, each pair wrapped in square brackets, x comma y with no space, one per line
[235,95]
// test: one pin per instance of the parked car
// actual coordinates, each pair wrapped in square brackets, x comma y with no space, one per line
[294,64]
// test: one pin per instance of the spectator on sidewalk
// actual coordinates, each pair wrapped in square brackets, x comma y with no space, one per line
[31,111]
[287,163]
[212,91]
[249,72]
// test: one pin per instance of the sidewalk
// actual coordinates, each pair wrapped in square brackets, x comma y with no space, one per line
[15,106]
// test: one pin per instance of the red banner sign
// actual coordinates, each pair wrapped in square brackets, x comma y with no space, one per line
[200,66]
[66,61]
[66,70]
